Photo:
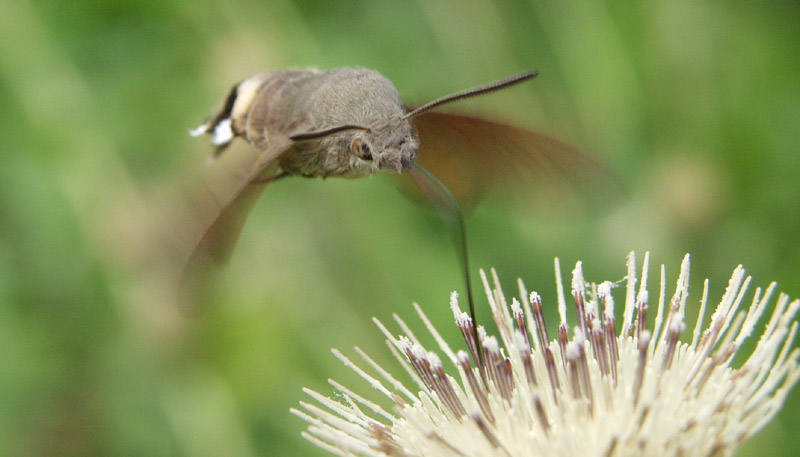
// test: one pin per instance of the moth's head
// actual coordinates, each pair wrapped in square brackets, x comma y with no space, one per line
[392,146]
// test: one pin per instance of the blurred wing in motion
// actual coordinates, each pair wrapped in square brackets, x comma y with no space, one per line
[472,155]
[220,215]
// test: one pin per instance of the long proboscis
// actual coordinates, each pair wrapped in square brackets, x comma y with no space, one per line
[491,87]
[443,200]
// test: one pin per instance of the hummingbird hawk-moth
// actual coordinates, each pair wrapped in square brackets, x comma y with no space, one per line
[352,122]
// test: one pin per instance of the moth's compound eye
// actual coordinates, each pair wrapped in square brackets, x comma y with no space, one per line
[360,148]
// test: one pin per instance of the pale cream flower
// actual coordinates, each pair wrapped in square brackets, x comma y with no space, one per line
[639,392]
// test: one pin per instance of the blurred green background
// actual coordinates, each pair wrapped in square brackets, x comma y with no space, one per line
[695,106]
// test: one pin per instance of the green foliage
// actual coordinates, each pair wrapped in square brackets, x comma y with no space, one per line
[694,106]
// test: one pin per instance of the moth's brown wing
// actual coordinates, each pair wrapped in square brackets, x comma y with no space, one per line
[230,195]
[471,155]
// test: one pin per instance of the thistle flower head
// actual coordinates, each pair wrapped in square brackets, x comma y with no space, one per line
[590,391]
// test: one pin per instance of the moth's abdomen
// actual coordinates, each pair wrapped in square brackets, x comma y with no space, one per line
[270,110]
[257,107]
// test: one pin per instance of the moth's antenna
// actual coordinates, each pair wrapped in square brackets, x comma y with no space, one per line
[491,87]
[446,204]
[321,133]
